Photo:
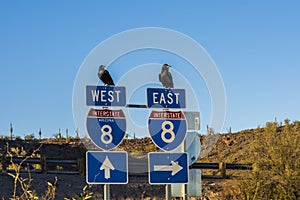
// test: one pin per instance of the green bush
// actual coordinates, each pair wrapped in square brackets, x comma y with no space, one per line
[276,158]
[29,137]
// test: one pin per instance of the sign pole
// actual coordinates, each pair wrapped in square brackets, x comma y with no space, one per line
[182,149]
[106,192]
[168,192]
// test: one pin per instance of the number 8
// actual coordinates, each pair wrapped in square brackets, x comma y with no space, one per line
[166,130]
[106,133]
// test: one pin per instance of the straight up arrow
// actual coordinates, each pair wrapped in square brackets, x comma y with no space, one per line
[175,168]
[107,166]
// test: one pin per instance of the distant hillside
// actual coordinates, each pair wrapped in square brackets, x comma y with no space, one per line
[230,147]
[234,147]
[274,150]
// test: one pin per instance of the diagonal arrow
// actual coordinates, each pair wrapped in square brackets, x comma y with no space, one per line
[107,166]
[175,168]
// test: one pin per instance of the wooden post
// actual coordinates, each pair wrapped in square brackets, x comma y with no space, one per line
[4,165]
[222,169]
[43,164]
[67,135]
[80,165]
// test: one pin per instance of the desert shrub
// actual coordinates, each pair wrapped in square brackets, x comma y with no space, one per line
[18,138]
[84,195]
[59,168]
[17,152]
[25,184]
[276,158]
[29,137]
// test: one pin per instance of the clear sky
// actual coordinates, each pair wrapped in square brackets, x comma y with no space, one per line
[255,46]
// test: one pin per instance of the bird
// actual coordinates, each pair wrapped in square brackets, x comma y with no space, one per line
[165,77]
[104,76]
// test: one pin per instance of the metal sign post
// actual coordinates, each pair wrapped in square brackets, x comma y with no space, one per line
[106,128]
[106,189]
[179,190]
[168,192]
[168,131]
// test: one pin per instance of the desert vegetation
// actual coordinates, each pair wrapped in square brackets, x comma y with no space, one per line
[273,151]
[275,154]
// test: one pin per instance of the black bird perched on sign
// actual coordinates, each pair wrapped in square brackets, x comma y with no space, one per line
[104,76]
[165,77]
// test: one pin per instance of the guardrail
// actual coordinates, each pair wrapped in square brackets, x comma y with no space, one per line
[45,165]
[219,165]
[61,166]
[222,166]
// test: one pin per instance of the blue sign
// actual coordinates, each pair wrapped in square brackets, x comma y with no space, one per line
[106,128]
[168,168]
[105,96]
[165,98]
[106,167]
[167,129]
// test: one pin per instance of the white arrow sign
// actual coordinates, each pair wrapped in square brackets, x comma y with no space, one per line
[175,168]
[107,166]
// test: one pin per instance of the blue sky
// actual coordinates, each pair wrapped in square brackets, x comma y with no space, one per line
[255,46]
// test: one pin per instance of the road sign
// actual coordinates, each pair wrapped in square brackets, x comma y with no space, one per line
[165,98]
[194,186]
[105,167]
[168,168]
[97,95]
[192,147]
[167,128]
[193,119]
[106,128]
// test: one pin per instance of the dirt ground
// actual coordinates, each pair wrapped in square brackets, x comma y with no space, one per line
[69,186]
[138,188]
